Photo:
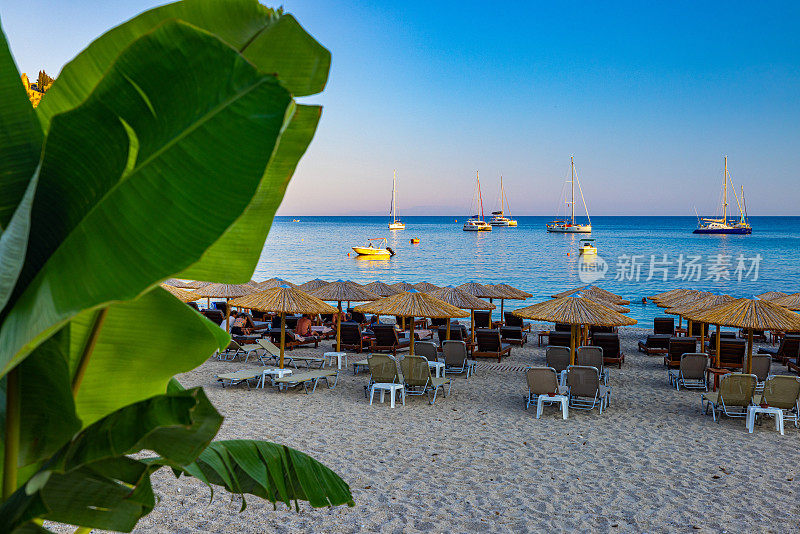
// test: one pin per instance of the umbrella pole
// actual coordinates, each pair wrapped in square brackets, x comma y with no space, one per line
[688,328]
[227,316]
[502,317]
[572,333]
[339,328]
[749,351]
[702,337]
[283,338]
[402,323]
[411,348]
[472,324]
[680,321]
[448,329]
[717,347]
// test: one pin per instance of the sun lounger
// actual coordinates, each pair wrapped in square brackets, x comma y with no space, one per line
[585,390]
[664,325]
[483,318]
[590,356]
[787,351]
[360,365]
[387,339]
[760,365]
[513,335]
[732,353]
[235,349]
[456,359]
[612,352]
[273,352]
[782,392]
[490,345]
[543,388]
[352,337]
[418,379]
[558,358]
[692,371]
[557,338]
[237,377]
[513,320]
[383,369]
[655,344]
[307,378]
[678,346]
[735,391]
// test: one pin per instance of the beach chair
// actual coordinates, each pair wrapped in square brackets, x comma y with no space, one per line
[563,327]
[664,326]
[274,353]
[512,320]
[427,350]
[237,377]
[483,318]
[513,335]
[306,378]
[758,335]
[352,338]
[678,346]
[735,391]
[782,392]
[697,328]
[236,349]
[590,356]
[387,339]
[585,390]
[558,357]
[760,366]
[599,329]
[215,316]
[458,332]
[612,352]
[543,388]
[655,344]
[732,353]
[711,342]
[560,339]
[787,350]
[692,371]
[456,359]
[418,379]
[490,345]
[383,369]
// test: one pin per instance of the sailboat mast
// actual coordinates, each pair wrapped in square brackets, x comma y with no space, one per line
[572,184]
[394,196]
[725,194]
[480,197]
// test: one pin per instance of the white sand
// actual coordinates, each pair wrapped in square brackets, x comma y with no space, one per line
[477,461]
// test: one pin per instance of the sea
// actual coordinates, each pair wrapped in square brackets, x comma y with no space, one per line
[637,256]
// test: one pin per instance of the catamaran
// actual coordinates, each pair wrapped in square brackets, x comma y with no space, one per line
[499,217]
[723,226]
[569,226]
[476,222]
[395,224]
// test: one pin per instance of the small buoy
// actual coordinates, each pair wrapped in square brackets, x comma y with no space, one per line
[348,254]
[414,240]
[567,253]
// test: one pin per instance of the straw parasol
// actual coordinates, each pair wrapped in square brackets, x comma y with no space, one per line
[700,304]
[425,287]
[227,292]
[791,302]
[283,299]
[509,293]
[379,288]
[273,283]
[676,297]
[312,285]
[185,284]
[772,295]
[574,311]
[461,299]
[750,314]
[180,294]
[402,286]
[339,291]
[596,293]
[412,304]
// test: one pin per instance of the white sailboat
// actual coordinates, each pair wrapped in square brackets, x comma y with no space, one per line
[395,224]
[476,222]
[499,217]
[568,225]
[724,226]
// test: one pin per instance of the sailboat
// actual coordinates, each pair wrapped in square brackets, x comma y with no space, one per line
[476,222]
[569,226]
[395,224]
[499,217]
[723,226]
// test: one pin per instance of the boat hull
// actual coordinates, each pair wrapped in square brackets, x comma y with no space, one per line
[573,229]
[367,251]
[740,231]
[508,223]
[477,228]
[397,226]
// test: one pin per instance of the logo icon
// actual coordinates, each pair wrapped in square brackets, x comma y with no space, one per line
[592,270]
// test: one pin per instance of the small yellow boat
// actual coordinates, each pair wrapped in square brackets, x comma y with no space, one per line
[375,247]
[587,247]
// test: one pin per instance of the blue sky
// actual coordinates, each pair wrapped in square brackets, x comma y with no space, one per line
[648,98]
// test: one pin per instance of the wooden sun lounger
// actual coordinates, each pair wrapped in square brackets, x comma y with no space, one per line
[245,375]
[306,377]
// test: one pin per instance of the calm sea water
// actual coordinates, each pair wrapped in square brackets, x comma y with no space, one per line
[530,258]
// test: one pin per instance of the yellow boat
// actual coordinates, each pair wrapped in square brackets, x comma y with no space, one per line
[370,249]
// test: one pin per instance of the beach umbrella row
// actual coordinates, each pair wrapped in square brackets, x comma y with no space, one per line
[461,299]
[338,292]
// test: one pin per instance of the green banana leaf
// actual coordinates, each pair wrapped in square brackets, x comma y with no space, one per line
[20,138]
[143,218]
[273,42]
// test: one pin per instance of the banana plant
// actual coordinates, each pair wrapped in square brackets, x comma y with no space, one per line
[162,150]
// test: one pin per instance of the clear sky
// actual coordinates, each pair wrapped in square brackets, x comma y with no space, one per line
[648,98]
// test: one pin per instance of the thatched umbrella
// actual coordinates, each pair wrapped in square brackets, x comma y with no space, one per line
[698,305]
[273,283]
[772,295]
[403,286]
[574,311]
[605,295]
[379,288]
[509,293]
[461,299]
[283,300]
[340,291]
[676,297]
[412,304]
[227,292]
[790,302]
[312,285]
[181,294]
[425,287]
[482,292]
[668,294]
[185,284]
[750,315]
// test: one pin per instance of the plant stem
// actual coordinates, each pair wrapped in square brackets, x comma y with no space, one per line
[94,333]
[11,453]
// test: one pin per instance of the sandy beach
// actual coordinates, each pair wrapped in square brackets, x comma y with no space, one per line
[478,461]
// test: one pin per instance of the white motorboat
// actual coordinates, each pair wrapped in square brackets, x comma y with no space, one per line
[371,249]
[587,248]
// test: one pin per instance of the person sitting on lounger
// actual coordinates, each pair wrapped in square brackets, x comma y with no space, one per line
[303,327]
[242,323]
